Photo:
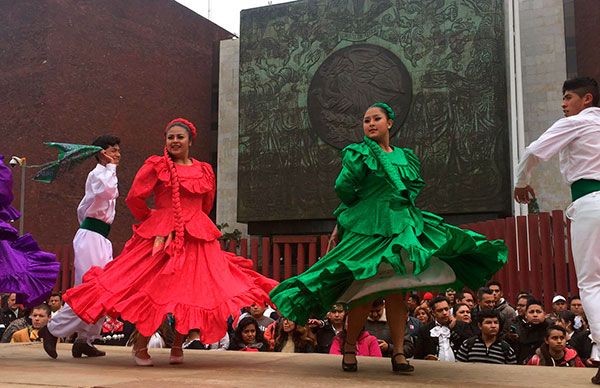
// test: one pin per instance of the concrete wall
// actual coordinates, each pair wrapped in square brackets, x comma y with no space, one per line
[227,149]
[544,71]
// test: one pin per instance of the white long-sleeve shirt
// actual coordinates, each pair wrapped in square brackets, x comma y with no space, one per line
[576,139]
[100,194]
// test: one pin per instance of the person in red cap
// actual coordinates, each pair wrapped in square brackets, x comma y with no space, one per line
[173,263]
[427,296]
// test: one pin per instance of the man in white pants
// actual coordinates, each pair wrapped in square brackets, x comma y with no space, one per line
[577,140]
[91,246]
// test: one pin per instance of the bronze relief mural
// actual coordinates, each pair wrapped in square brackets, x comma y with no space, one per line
[309,69]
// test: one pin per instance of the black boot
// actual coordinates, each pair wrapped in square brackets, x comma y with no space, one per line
[49,341]
[596,379]
[81,347]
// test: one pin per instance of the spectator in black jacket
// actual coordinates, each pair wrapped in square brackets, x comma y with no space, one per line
[531,334]
[326,331]
[441,338]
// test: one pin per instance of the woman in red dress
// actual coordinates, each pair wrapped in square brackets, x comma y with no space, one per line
[173,263]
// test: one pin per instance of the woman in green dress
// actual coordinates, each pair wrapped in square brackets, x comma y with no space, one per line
[386,244]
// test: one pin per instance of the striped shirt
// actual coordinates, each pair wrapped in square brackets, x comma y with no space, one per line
[474,350]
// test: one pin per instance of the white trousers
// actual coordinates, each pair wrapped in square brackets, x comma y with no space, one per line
[65,323]
[91,249]
[585,242]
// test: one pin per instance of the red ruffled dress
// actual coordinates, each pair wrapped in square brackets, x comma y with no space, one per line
[201,287]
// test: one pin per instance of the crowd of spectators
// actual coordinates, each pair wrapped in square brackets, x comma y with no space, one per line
[463,326]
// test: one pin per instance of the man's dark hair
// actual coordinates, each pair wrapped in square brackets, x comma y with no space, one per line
[436,300]
[582,86]
[461,294]
[44,307]
[59,294]
[105,141]
[415,296]
[377,302]
[493,283]
[482,291]
[483,314]
[555,327]
[573,298]
[567,316]
[531,301]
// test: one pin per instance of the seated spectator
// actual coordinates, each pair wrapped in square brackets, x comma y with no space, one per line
[258,313]
[439,339]
[55,302]
[522,308]
[40,315]
[487,347]
[554,350]
[326,331]
[530,336]
[581,341]
[559,303]
[10,310]
[377,325]
[466,297]
[192,341]
[486,301]
[413,301]
[366,344]
[248,337]
[451,296]
[462,313]
[291,338]
[507,313]
[566,319]
[576,308]
[423,314]
[16,325]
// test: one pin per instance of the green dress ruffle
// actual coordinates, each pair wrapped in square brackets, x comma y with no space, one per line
[387,245]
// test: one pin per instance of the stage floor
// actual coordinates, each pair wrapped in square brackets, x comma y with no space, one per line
[27,365]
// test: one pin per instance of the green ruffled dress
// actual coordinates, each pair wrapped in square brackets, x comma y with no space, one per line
[387,245]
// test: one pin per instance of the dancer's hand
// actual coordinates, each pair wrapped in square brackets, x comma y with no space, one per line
[524,194]
[106,158]
[333,240]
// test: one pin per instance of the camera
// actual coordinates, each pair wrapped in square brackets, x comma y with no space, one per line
[16,161]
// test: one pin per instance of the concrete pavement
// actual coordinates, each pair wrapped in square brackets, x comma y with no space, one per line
[23,365]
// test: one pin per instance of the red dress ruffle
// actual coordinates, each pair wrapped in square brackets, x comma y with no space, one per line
[211,285]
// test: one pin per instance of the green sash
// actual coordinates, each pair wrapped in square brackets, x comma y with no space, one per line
[583,187]
[95,225]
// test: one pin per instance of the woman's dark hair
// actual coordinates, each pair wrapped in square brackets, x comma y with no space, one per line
[545,357]
[237,343]
[458,306]
[302,337]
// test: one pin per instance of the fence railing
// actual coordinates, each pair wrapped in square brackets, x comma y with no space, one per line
[539,261]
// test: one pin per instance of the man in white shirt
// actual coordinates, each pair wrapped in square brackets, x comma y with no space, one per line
[576,138]
[91,246]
